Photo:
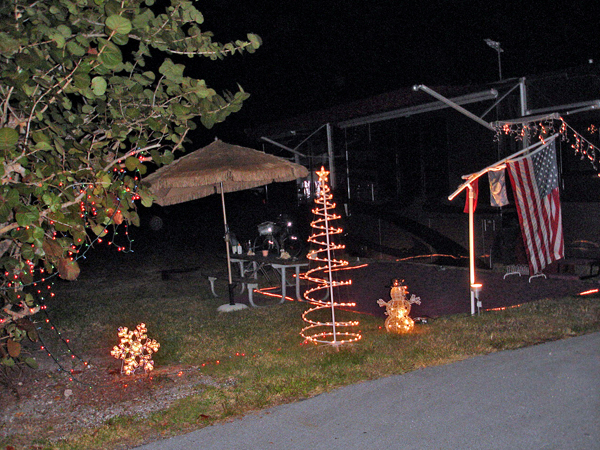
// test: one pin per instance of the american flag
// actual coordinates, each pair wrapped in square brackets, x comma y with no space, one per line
[534,179]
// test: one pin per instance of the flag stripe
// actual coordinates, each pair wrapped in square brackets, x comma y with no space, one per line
[535,184]
[528,221]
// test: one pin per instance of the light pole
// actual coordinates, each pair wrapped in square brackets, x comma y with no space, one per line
[496,46]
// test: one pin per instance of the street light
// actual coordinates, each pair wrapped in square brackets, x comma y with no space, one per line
[496,46]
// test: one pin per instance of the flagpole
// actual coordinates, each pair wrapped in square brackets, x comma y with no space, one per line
[471,194]
[474,287]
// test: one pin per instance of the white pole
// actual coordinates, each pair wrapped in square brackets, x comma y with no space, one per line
[453,105]
[499,63]
[331,154]
[523,98]
[230,278]
[471,194]
[226,236]
[327,239]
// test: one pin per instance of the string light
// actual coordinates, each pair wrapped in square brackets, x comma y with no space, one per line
[135,349]
[24,277]
[73,356]
[65,341]
[32,307]
[503,308]
[546,126]
[328,331]
[266,291]
[83,248]
[431,256]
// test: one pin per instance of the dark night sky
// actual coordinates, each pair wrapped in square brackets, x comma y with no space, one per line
[320,53]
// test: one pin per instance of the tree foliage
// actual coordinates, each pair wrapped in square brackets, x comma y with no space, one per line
[91,92]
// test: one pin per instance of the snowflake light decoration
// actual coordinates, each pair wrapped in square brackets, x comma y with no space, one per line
[135,349]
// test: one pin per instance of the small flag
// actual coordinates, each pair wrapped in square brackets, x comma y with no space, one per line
[534,180]
[497,188]
[475,185]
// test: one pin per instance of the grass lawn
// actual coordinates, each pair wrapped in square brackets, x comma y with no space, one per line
[256,357]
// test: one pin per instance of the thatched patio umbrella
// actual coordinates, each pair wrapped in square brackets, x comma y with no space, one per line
[216,169]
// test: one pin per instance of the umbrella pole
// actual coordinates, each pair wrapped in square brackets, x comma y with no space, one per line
[229,277]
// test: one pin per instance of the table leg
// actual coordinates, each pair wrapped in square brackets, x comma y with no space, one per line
[251,287]
[297,282]
[241,263]
[281,269]
[283,284]
[242,269]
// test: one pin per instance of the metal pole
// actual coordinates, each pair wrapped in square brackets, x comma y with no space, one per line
[230,278]
[496,46]
[332,176]
[329,256]
[277,144]
[348,198]
[499,64]
[524,108]
[450,103]
[471,194]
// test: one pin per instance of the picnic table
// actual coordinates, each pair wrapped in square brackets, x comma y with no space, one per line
[251,265]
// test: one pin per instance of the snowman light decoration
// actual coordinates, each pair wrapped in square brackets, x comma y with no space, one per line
[398,308]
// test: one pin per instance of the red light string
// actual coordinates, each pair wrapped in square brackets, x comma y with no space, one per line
[19,281]
[538,129]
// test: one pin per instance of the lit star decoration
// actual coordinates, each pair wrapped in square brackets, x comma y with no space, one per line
[135,350]
[329,331]
[398,309]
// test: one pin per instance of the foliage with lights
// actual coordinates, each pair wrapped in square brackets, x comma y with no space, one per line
[84,109]
[326,330]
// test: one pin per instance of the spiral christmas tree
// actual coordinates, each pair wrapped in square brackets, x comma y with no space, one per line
[322,295]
